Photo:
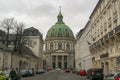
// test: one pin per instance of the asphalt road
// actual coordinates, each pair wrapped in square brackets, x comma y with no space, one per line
[56,75]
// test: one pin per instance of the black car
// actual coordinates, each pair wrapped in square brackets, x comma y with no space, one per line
[95,74]
[24,73]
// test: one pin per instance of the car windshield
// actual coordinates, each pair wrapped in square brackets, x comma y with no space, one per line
[118,75]
[110,75]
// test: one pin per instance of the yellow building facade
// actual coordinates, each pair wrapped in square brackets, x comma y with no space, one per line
[105,28]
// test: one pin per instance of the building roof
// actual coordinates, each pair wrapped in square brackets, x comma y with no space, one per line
[59,29]
[31,32]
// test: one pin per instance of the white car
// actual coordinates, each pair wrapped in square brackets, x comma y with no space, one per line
[58,69]
[110,76]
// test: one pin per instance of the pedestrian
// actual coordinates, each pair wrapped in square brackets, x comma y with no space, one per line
[13,74]
[33,71]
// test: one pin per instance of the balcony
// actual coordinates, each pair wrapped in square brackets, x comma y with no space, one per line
[111,33]
[102,40]
[106,37]
[117,29]
[104,55]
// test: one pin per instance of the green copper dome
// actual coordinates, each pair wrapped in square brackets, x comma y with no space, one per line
[59,29]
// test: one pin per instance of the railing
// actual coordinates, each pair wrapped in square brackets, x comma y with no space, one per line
[117,29]
[104,55]
[106,37]
[111,33]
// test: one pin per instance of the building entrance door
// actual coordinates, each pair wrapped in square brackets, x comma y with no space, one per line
[65,65]
[60,64]
[54,65]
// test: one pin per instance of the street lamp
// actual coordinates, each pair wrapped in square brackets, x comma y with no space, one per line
[3,61]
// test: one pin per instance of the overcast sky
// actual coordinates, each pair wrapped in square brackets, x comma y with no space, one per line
[42,14]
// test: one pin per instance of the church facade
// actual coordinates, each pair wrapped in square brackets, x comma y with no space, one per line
[59,45]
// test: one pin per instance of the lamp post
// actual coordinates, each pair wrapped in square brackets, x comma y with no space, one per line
[3,61]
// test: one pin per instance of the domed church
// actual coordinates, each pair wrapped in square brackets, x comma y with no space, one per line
[59,45]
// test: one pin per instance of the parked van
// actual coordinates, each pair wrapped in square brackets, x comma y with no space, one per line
[95,74]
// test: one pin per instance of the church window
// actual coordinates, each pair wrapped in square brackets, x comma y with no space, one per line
[65,58]
[59,58]
[51,46]
[68,46]
[59,45]
[54,58]
[60,33]
[0,59]
[67,33]
[46,46]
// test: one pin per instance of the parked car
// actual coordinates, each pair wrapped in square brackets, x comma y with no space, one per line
[110,76]
[117,77]
[75,71]
[48,69]
[95,74]
[39,71]
[25,73]
[7,73]
[58,69]
[82,72]
[3,76]
[68,70]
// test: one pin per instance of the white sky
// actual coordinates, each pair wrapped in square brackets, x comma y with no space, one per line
[42,14]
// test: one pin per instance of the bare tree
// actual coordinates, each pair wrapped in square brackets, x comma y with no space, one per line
[18,28]
[7,24]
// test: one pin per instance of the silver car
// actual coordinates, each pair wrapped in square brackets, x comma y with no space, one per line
[110,76]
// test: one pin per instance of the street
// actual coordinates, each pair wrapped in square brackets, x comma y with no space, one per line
[55,75]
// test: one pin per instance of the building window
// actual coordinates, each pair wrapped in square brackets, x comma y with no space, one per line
[60,33]
[115,23]
[67,33]
[59,58]
[109,27]
[59,45]
[54,58]
[65,58]
[115,5]
[0,60]
[46,46]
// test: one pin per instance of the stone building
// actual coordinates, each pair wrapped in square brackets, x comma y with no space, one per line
[35,42]
[83,57]
[59,45]
[5,52]
[30,55]
[5,57]
[105,26]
